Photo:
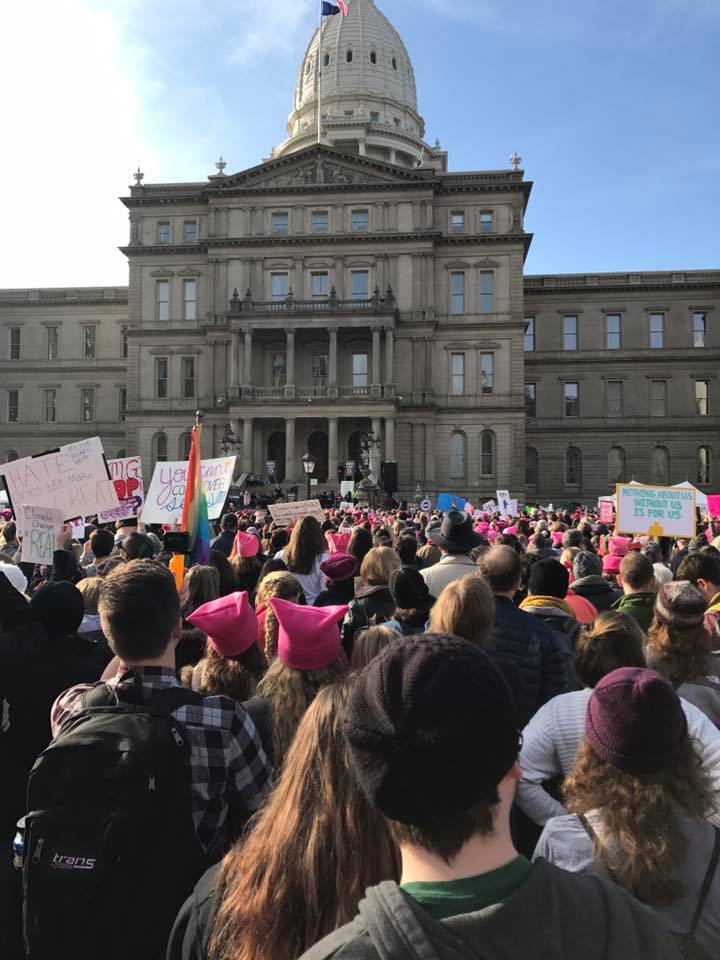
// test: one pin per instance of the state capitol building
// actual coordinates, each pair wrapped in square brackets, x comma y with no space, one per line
[355,287]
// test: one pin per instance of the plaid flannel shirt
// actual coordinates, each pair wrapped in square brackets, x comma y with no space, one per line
[229,771]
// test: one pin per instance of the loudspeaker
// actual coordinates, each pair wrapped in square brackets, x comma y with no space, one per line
[389,475]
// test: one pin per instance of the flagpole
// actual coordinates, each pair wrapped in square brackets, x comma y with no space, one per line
[319,76]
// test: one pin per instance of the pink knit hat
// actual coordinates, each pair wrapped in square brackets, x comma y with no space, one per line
[618,546]
[611,564]
[246,544]
[229,622]
[338,542]
[492,535]
[557,538]
[308,637]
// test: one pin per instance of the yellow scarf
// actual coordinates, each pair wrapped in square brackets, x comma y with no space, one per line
[714,604]
[534,601]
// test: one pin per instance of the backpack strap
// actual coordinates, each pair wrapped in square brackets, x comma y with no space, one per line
[170,699]
[596,843]
[707,883]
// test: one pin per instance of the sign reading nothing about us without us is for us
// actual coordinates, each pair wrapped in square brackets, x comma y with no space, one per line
[655,511]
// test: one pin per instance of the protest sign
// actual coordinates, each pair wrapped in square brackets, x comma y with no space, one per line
[39,528]
[655,511]
[73,479]
[347,486]
[513,508]
[126,474]
[164,499]
[607,511]
[286,513]
[450,501]
[426,505]
[503,499]
[713,505]
[490,507]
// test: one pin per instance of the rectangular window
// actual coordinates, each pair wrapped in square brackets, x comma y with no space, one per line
[188,377]
[161,377]
[457,374]
[487,372]
[319,370]
[189,290]
[14,343]
[163,232]
[374,116]
[319,284]
[279,285]
[280,223]
[529,344]
[122,404]
[614,398]
[359,369]
[699,330]
[457,223]
[87,404]
[486,222]
[89,342]
[162,299]
[13,406]
[320,221]
[571,394]
[360,284]
[612,331]
[570,332]
[487,286]
[123,343]
[278,371]
[457,294]
[657,331]
[49,398]
[702,390]
[360,220]
[531,400]
[190,231]
[658,398]
[51,343]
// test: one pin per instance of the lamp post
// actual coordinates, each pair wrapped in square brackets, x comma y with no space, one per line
[308,462]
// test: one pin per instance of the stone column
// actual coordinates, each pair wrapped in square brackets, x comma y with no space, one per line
[375,383]
[332,365]
[332,449]
[290,364]
[247,373]
[389,438]
[429,454]
[389,356]
[290,464]
[247,445]
[233,349]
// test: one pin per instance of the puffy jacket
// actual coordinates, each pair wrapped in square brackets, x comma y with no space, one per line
[566,629]
[534,648]
[371,606]
[601,594]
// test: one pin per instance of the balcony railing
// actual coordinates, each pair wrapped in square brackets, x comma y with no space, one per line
[318,305]
[297,393]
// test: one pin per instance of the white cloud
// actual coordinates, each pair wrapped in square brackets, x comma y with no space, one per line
[265,29]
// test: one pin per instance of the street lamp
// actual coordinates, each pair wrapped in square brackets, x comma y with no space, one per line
[229,443]
[308,462]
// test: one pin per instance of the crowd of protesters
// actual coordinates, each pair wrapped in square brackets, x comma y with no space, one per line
[392,734]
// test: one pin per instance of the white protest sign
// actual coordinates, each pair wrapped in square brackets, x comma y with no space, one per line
[655,511]
[39,526]
[164,499]
[513,508]
[503,499]
[286,513]
[425,505]
[126,474]
[347,486]
[490,507]
[73,479]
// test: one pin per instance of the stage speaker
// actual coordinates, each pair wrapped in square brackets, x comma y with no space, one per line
[389,475]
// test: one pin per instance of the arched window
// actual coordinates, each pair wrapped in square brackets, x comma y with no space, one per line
[121,454]
[326,60]
[394,63]
[349,56]
[660,466]
[9,456]
[704,465]
[457,456]
[616,465]
[160,448]
[184,445]
[487,453]
[573,467]
[373,57]
[532,468]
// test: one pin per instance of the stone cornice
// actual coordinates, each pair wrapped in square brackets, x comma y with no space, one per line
[71,295]
[623,282]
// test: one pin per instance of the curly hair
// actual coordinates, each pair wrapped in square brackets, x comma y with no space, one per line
[642,843]
[679,653]
[235,677]
[284,586]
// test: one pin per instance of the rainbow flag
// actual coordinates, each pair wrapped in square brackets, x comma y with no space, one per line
[195,510]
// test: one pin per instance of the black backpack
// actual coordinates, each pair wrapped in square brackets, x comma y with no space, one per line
[110,851]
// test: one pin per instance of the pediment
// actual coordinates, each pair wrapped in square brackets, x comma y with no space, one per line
[317,166]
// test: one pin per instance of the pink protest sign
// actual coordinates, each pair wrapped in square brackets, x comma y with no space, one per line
[713,505]
[607,511]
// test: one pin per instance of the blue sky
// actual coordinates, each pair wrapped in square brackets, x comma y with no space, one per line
[614,107]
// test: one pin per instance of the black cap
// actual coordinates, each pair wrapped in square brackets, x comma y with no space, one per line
[408,589]
[60,607]
[548,578]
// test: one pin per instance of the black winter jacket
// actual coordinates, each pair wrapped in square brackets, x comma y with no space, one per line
[601,594]
[372,606]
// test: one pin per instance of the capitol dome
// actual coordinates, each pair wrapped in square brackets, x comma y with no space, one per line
[367,86]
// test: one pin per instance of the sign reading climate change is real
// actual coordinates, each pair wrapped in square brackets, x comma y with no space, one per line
[655,511]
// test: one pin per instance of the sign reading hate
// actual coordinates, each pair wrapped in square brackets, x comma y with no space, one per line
[39,528]
[655,511]
[73,479]
[164,499]
[286,513]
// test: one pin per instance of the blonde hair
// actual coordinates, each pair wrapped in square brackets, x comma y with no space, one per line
[430,554]
[89,587]
[465,608]
[378,564]
[281,585]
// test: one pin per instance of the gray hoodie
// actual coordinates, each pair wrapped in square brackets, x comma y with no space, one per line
[552,916]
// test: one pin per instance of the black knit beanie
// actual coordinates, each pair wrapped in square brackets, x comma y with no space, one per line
[60,607]
[430,728]
[549,578]
[408,589]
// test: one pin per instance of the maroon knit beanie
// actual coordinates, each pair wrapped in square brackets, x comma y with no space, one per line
[635,721]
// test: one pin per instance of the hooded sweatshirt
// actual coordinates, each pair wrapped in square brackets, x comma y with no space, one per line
[640,606]
[552,916]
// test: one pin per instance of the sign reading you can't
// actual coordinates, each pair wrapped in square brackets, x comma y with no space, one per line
[655,511]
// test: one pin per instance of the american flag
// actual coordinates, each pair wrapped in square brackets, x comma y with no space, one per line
[343,7]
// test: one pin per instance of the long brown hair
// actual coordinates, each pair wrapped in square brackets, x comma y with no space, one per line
[307,543]
[315,847]
[235,677]
[679,653]
[642,841]
[290,692]
[465,608]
